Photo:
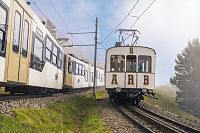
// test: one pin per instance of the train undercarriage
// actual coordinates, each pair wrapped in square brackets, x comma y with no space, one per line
[122,96]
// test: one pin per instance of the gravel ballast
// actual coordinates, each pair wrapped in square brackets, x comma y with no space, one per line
[114,120]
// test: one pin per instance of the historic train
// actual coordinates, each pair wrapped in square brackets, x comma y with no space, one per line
[130,72]
[31,59]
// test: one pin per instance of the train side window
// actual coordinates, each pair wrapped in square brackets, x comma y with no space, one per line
[48,50]
[3,25]
[38,50]
[2,41]
[117,63]
[83,71]
[16,34]
[92,76]
[76,71]
[55,53]
[144,64]
[59,59]
[86,76]
[80,69]
[69,65]
[130,63]
[25,39]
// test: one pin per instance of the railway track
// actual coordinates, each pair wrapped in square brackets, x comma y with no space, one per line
[152,123]
[4,97]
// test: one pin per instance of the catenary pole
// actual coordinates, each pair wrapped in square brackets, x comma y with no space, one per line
[95,60]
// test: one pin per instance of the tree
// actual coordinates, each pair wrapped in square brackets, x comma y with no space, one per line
[187,78]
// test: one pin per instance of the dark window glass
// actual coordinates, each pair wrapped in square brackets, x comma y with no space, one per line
[16,34]
[55,51]
[25,39]
[48,49]
[69,65]
[144,64]
[3,15]
[92,76]
[59,59]
[117,63]
[86,75]
[131,63]
[79,69]
[76,72]
[38,49]
[1,41]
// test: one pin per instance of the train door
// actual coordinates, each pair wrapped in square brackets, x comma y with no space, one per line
[18,53]
[131,62]
[68,78]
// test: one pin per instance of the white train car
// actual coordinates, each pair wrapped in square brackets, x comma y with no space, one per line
[31,60]
[130,72]
[79,74]
[30,57]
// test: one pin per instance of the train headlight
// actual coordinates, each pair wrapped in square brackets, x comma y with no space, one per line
[118,89]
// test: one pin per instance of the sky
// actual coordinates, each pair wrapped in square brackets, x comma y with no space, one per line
[166,26]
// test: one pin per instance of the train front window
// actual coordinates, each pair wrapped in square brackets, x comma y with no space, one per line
[144,64]
[131,63]
[117,63]
[3,18]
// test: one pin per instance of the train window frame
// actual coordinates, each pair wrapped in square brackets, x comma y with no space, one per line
[48,48]
[25,42]
[3,29]
[134,69]
[37,63]
[15,48]
[42,59]
[76,68]
[70,65]
[144,67]
[123,67]
[86,75]
[59,59]
[54,55]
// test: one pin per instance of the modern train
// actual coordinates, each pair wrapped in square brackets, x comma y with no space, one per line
[129,72]
[31,59]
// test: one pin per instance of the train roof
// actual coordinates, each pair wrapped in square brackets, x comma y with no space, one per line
[144,47]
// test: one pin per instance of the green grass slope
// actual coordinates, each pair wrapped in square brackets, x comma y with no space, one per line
[78,114]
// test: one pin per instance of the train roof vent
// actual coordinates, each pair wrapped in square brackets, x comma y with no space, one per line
[117,44]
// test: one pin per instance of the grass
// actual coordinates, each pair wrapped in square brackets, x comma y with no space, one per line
[168,102]
[78,114]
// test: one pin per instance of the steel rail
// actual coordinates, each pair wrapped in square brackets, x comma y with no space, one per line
[159,122]
[185,127]
[129,117]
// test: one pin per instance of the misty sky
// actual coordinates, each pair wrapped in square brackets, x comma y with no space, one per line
[167,26]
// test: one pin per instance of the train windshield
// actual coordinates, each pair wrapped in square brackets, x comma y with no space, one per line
[131,63]
[117,63]
[144,64]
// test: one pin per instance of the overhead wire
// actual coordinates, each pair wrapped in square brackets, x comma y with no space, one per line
[121,21]
[142,13]
[85,11]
